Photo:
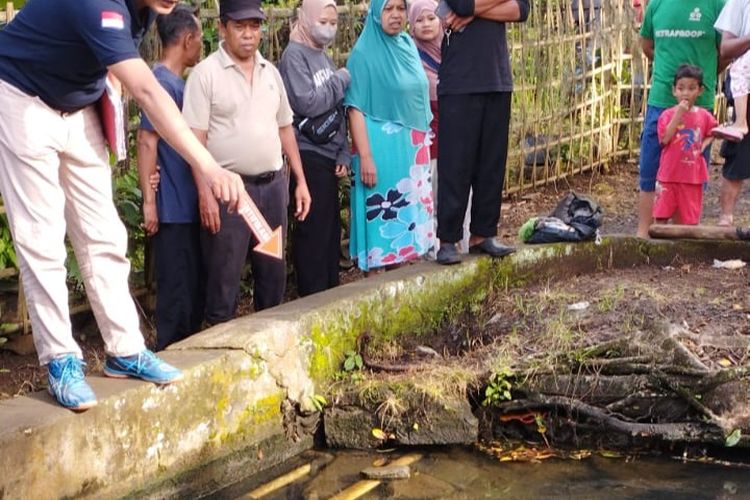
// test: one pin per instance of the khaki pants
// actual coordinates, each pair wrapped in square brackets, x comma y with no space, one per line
[55,176]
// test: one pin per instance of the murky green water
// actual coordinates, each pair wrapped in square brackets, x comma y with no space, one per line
[462,473]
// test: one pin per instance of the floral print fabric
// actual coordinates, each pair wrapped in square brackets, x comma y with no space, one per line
[393,222]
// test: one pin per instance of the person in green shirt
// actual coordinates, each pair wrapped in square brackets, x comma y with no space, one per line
[674,32]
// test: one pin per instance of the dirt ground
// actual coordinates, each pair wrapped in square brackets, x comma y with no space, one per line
[614,188]
[709,306]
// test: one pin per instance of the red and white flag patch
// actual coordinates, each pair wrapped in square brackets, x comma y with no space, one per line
[113,20]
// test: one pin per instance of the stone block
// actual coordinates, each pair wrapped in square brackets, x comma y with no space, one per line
[448,423]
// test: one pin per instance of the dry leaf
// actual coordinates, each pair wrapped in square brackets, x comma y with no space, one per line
[379,434]
[725,362]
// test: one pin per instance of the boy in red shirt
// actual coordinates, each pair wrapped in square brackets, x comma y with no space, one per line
[683,132]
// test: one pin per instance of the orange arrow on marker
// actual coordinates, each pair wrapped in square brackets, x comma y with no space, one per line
[269,241]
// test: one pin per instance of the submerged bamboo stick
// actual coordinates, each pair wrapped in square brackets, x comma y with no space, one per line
[279,482]
[363,487]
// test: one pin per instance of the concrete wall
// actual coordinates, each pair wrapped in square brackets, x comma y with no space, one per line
[244,377]
[229,406]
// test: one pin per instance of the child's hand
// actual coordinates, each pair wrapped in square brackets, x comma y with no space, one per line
[683,107]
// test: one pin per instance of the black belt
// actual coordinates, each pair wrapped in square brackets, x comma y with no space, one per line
[263,178]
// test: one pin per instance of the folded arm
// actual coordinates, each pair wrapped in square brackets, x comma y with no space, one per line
[494,10]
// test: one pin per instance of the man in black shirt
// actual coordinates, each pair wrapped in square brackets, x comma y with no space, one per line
[474,96]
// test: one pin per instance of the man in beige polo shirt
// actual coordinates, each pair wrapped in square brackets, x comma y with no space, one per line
[236,104]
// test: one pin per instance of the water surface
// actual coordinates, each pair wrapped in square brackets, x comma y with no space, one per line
[463,473]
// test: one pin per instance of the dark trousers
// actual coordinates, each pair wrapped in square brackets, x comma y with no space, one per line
[226,252]
[180,282]
[472,150]
[316,241]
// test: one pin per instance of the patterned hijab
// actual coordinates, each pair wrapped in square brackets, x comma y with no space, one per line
[431,48]
[388,82]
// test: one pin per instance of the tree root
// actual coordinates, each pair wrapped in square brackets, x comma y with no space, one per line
[683,432]
[648,386]
[721,377]
[689,397]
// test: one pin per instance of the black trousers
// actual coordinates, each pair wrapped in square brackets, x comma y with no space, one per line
[180,282]
[472,150]
[226,252]
[316,241]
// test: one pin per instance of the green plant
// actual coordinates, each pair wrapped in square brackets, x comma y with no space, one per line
[609,300]
[352,367]
[7,252]
[128,200]
[498,388]
[353,361]
[74,278]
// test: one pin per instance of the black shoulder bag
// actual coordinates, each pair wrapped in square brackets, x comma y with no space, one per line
[323,128]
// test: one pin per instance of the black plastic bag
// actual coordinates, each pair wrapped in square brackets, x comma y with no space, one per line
[581,212]
[576,218]
[552,230]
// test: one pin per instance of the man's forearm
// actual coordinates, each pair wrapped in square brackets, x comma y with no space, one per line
[502,10]
[481,6]
[647,45]
[162,111]
[202,136]
[147,142]
[733,47]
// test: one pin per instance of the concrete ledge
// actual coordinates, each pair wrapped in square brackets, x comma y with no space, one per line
[138,431]
[238,375]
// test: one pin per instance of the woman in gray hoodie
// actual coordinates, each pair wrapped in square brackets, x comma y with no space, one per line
[316,89]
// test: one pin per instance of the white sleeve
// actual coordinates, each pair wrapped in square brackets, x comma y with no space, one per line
[730,19]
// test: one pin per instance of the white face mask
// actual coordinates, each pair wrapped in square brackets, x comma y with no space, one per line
[323,34]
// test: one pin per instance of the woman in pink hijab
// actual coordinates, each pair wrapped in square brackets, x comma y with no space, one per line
[315,89]
[427,32]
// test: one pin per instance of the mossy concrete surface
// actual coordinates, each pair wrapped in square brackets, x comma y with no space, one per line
[138,432]
[237,375]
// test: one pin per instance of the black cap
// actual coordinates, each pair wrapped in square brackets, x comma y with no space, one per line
[237,10]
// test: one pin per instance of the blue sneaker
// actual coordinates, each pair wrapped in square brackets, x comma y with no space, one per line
[67,383]
[144,365]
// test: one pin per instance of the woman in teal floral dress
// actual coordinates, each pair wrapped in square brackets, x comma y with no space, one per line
[389,114]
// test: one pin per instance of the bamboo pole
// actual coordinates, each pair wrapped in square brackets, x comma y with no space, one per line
[363,487]
[279,482]
[678,231]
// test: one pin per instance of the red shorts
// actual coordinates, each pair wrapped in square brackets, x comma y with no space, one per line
[683,202]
